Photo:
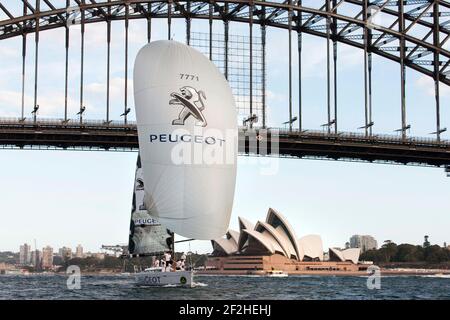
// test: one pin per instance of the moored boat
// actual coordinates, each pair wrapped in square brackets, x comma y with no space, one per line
[276,273]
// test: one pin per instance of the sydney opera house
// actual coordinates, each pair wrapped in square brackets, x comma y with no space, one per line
[273,245]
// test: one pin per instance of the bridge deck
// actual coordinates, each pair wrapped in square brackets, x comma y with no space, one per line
[97,135]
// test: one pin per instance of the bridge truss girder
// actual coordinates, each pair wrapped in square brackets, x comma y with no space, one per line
[413,33]
[433,15]
[98,136]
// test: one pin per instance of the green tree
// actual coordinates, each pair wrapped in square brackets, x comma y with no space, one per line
[388,251]
[408,253]
[435,254]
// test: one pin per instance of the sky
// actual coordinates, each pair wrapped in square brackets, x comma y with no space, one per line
[63,198]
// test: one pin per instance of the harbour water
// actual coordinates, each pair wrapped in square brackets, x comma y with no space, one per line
[229,287]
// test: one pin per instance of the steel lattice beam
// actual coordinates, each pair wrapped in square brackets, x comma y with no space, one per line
[349,29]
[96,135]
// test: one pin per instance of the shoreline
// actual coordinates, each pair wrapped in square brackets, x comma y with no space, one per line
[384,272]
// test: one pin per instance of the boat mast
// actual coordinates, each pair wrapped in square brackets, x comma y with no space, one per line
[174,265]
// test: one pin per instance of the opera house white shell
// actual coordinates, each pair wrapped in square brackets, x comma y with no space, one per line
[276,236]
[351,254]
[227,245]
[312,247]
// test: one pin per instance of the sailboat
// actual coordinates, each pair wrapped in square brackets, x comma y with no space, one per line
[149,238]
[186,169]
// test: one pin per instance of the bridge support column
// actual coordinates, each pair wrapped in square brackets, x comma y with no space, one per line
[149,22]
[188,24]
[169,20]
[436,42]
[108,64]
[263,43]
[24,56]
[210,31]
[299,48]
[36,61]
[226,30]
[66,71]
[290,64]
[370,91]
[401,27]
[126,111]
[328,22]
[251,61]
[367,74]
[82,64]
[335,55]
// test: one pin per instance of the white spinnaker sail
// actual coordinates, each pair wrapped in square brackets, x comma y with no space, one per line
[187,127]
[147,235]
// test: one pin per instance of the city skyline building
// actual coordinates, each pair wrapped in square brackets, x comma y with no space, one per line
[36,258]
[79,251]
[65,253]
[363,242]
[47,257]
[25,254]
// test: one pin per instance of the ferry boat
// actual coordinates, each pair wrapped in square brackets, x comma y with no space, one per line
[276,274]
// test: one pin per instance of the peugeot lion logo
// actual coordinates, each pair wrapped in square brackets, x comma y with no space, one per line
[193,104]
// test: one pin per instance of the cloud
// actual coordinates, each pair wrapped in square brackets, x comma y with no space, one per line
[274,97]
[8,52]
[50,104]
[426,84]
[117,88]
[314,55]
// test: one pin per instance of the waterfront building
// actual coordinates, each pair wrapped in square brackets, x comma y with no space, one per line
[36,257]
[25,254]
[273,244]
[79,252]
[363,242]
[99,256]
[47,257]
[65,253]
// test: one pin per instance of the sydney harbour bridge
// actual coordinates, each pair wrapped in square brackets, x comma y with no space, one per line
[414,34]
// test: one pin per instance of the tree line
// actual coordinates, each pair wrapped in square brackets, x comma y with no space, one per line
[391,252]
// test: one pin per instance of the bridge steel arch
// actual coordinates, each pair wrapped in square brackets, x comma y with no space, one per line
[413,33]
[397,41]
[287,14]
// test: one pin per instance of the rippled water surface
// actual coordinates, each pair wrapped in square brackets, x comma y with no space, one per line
[231,287]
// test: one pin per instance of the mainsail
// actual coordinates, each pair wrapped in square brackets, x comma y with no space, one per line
[147,235]
[187,129]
